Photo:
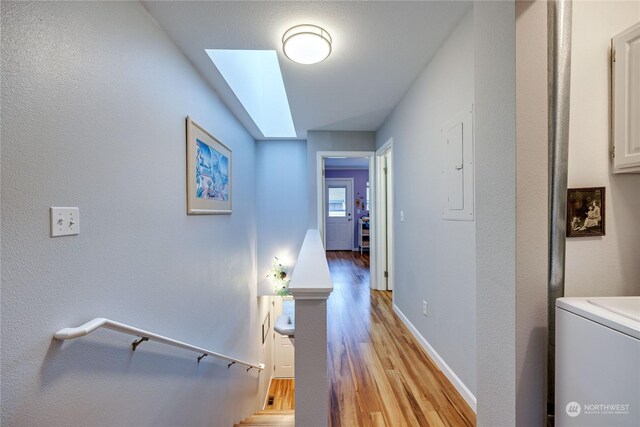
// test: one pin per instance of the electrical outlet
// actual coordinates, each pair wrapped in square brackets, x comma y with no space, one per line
[401,216]
[424,308]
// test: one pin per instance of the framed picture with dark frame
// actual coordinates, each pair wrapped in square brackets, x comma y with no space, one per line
[266,326]
[586,212]
[208,173]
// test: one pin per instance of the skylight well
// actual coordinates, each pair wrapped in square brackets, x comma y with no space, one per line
[255,78]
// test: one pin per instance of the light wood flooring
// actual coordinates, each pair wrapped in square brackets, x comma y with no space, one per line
[378,373]
[282,390]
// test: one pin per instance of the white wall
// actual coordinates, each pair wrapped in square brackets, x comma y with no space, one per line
[531,212]
[330,141]
[434,259]
[495,144]
[94,97]
[281,203]
[596,266]
[605,265]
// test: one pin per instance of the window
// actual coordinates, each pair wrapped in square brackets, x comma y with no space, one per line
[338,201]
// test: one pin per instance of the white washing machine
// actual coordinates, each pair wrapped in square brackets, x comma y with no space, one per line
[597,362]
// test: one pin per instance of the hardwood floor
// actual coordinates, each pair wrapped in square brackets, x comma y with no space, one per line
[378,373]
[283,392]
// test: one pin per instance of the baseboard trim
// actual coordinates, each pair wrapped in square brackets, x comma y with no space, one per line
[446,370]
[266,395]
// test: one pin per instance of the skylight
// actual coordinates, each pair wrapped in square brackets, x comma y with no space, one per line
[255,78]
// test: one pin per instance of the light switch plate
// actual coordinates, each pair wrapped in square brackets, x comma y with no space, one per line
[65,221]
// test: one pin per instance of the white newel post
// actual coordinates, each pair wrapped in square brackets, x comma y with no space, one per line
[310,286]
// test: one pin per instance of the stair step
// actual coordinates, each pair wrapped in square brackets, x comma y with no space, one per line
[267,418]
[291,424]
[261,424]
[287,424]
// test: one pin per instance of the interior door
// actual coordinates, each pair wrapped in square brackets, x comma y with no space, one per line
[384,219]
[284,353]
[339,214]
[386,215]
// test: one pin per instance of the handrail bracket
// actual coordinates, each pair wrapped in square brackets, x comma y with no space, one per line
[136,343]
[200,357]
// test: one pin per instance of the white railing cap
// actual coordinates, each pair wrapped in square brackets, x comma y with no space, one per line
[311,278]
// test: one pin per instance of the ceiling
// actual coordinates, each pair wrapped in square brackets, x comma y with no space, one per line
[379,48]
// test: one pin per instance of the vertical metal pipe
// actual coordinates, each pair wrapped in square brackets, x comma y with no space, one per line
[559,79]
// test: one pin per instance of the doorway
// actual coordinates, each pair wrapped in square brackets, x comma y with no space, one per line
[283,346]
[384,213]
[339,213]
[347,224]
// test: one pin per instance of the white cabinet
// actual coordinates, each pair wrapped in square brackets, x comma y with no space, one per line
[597,371]
[625,132]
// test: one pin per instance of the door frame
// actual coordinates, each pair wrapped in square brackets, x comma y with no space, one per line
[320,200]
[352,205]
[388,249]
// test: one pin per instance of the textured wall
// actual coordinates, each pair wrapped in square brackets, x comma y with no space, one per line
[331,141]
[605,265]
[434,259]
[531,218]
[94,97]
[495,144]
[281,203]
[595,266]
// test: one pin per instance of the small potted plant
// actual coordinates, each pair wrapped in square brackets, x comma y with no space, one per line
[278,276]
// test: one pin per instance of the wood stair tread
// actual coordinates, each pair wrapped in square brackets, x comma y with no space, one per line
[258,423]
[269,419]
[275,412]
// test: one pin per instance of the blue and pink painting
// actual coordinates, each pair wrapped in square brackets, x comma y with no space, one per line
[212,173]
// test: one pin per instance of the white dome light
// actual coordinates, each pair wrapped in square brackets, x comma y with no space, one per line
[306,44]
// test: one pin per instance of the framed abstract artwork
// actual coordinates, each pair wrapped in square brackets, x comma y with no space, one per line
[585,212]
[208,173]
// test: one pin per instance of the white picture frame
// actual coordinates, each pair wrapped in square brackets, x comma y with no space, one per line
[209,173]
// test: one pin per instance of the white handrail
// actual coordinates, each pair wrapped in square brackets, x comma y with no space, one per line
[92,325]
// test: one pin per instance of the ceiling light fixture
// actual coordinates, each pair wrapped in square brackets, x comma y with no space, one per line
[306,44]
